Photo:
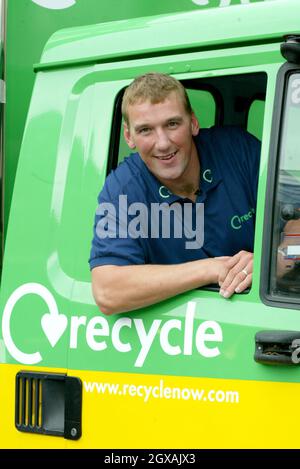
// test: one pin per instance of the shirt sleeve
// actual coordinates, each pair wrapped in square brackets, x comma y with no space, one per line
[112,244]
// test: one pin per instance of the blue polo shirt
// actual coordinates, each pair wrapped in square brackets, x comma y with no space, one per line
[127,231]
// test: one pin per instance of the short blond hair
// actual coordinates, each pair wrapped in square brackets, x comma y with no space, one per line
[154,87]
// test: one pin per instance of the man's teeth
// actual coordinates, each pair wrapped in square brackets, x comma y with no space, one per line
[168,157]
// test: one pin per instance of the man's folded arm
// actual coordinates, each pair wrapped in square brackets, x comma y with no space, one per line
[118,289]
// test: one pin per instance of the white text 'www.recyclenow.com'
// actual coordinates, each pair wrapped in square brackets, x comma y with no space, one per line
[161,391]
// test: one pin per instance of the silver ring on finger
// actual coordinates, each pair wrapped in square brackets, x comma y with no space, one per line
[245,272]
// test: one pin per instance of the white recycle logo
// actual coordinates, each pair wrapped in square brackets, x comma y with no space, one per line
[55,4]
[101,334]
[53,323]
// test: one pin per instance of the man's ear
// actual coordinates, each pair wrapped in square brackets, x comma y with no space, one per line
[127,136]
[194,124]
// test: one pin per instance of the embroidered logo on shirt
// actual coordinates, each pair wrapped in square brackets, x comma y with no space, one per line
[164,192]
[207,176]
[237,221]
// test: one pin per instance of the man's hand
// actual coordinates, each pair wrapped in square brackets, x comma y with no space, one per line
[236,274]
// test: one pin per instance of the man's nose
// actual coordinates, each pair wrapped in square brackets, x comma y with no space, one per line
[162,140]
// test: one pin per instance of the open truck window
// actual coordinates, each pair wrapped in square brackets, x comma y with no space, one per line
[236,100]
[232,100]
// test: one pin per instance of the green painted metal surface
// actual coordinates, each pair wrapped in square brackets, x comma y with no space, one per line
[146,36]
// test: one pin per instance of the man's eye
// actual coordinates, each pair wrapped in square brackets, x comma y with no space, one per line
[144,130]
[173,124]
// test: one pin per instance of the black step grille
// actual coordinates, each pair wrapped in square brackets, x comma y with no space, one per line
[48,403]
[29,402]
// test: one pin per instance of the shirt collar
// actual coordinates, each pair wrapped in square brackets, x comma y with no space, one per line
[209,177]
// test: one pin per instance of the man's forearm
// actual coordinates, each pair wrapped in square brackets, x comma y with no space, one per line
[125,288]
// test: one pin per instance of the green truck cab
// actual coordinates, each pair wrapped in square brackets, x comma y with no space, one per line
[195,371]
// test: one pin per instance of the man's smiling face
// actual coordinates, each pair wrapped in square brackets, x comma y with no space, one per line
[162,133]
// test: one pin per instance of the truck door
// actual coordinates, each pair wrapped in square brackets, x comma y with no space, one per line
[189,372]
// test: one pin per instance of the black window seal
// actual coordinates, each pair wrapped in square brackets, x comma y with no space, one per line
[277,300]
[113,152]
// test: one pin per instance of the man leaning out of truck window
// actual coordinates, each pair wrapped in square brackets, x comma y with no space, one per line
[179,212]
